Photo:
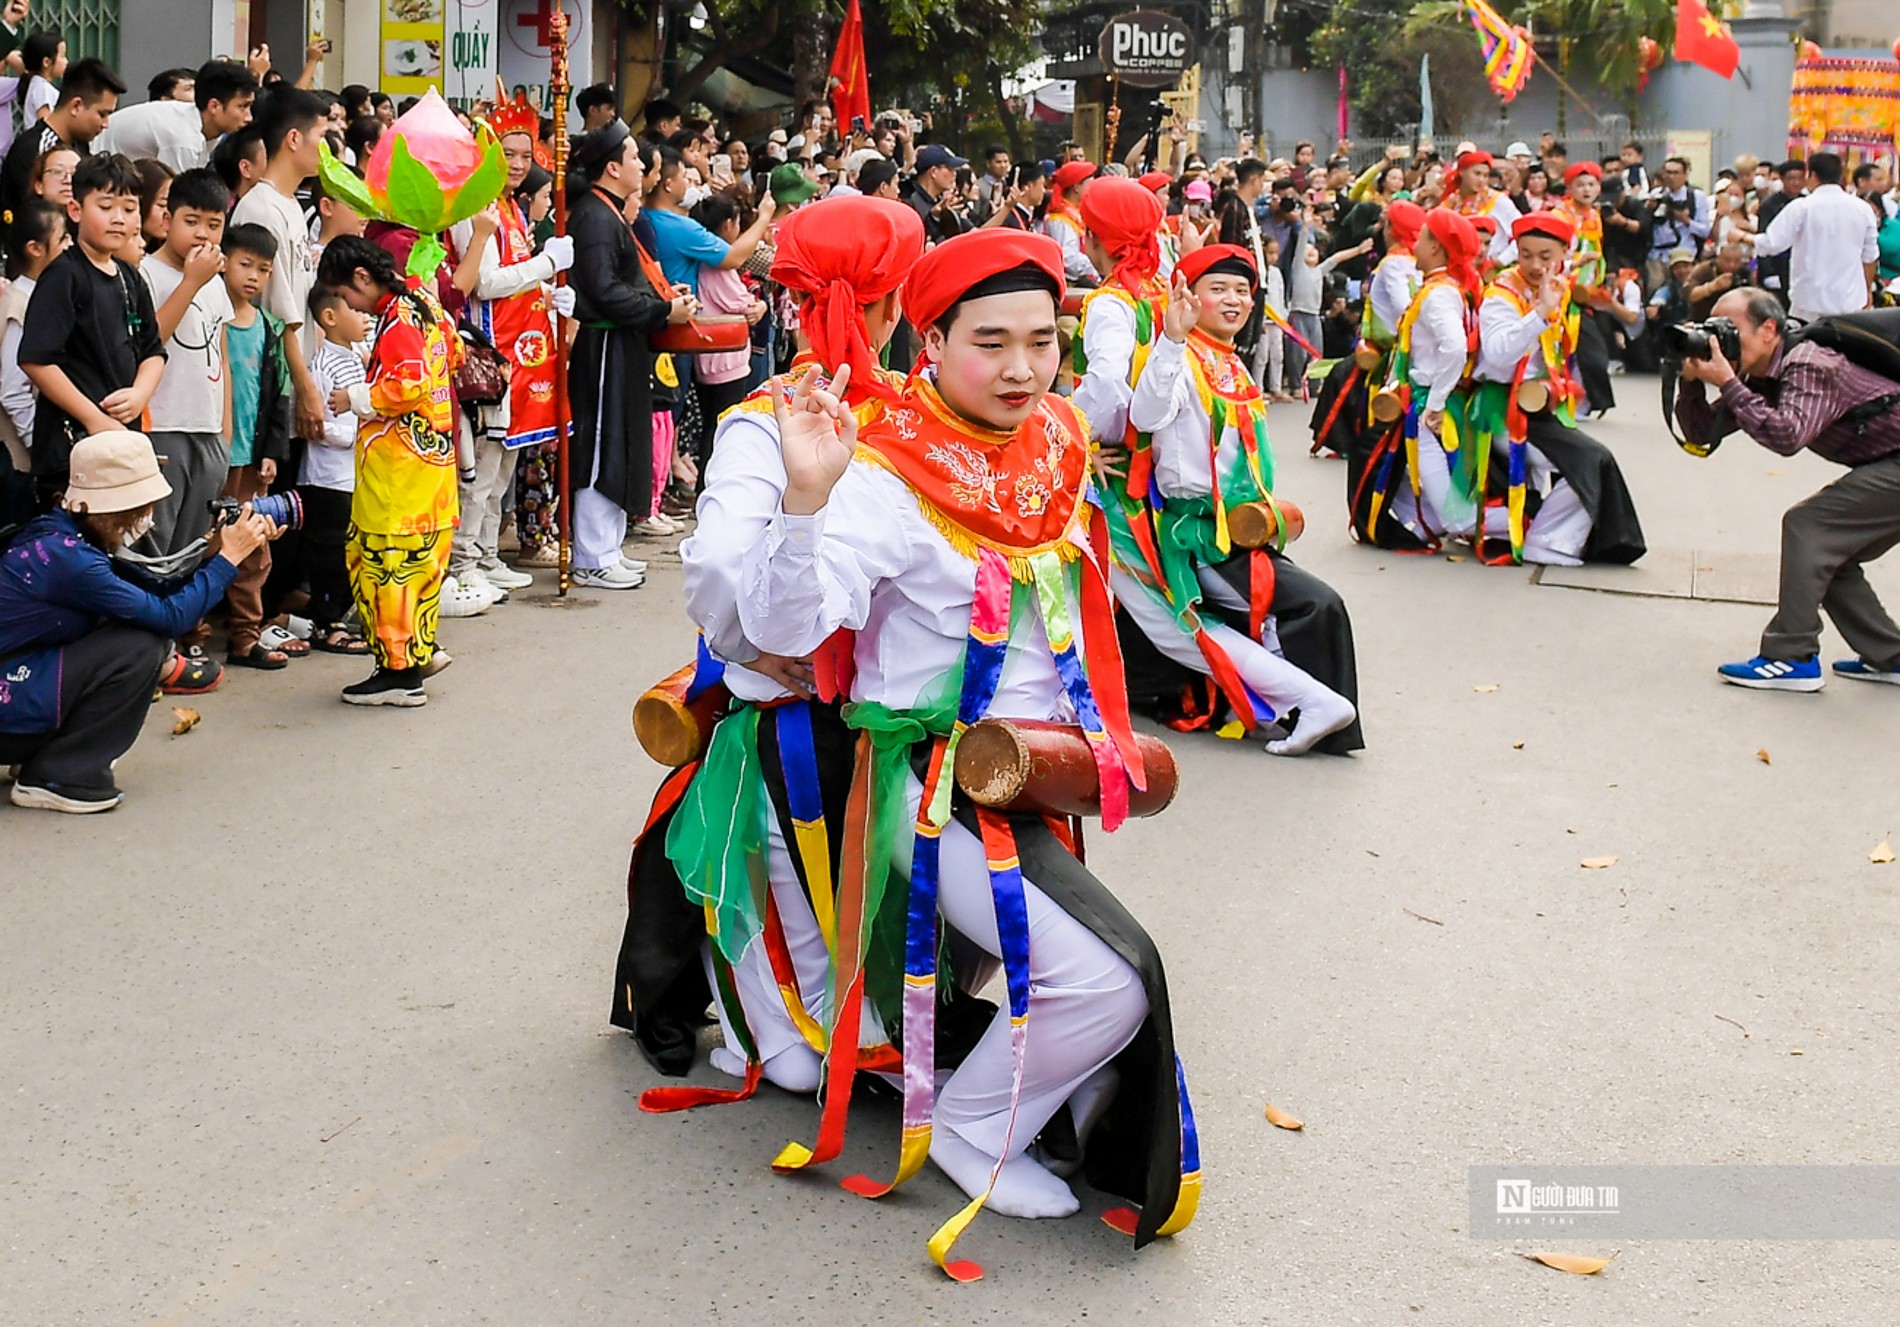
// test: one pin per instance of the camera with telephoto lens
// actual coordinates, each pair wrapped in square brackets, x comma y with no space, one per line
[1697,340]
[285,510]
[1288,204]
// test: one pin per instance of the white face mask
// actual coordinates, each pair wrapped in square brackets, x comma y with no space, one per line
[139,531]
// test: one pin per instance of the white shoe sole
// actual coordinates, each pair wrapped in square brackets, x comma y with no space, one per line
[1891,679]
[609,585]
[402,700]
[508,581]
[1807,684]
[45,799]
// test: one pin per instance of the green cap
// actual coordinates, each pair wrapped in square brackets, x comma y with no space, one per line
[790,185]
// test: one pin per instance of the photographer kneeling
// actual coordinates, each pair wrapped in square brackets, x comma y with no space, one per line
[83,635]
[1787,398]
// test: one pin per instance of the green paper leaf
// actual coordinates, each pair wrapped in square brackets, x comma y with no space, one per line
[487,183]
[345,185]
[415,198]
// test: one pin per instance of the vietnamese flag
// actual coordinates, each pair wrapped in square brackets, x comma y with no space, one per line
[1704,39]
[850,83]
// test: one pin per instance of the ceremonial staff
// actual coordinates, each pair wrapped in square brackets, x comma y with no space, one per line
[563,416]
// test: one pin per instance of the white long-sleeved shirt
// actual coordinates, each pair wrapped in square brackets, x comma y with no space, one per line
[1167,405]
[870,561]
[330,460]
[1670,234]
[1108,344]
[169,131]
[1309,282]
[1394,282]
[495,280]
[745,483]
[1074,262]
[17,396]
[1827,235]
[1506,336]
[1438,344]
[1502,249]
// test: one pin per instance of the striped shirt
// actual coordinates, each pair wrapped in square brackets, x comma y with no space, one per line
[1798,404]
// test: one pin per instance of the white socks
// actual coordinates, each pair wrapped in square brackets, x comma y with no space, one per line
[1319,719]
[796,1069]
[1023,1188]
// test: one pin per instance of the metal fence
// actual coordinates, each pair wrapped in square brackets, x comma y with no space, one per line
[90,27]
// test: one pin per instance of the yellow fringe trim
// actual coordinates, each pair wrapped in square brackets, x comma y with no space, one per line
[968,543]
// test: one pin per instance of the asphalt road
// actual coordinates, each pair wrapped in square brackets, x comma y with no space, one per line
[313,1029]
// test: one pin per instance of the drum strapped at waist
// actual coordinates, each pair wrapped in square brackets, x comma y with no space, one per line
[1388,405]
[1049,769]
[673,729]
[1257,524]
[1367,356]
[704,335]
[1533,396]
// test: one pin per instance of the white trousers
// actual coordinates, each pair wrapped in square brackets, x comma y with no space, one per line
[600,528]
[1271,677]
[1556,535]
[478,537]
[1425,511]
[1085,1005]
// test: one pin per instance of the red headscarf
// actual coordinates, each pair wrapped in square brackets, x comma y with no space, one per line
[1582,168]
[1067,177]
[942,276]
[1403,220]
[1462,248]
[1547,224]
[1126,218]
[1475,157]
[1196,265]
[839,258]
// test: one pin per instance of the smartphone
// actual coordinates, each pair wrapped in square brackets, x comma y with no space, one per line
[857,124]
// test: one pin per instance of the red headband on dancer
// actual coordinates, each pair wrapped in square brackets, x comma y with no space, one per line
[1403,221]
[1155,179]
[1547,224]
[1462,247]
[945,274]
[1126,218]
[839,259]
[1476,157]
[1067,178]
[1582,168]
[1217,257]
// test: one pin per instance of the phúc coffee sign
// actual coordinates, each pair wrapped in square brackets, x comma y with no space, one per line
[1146,48]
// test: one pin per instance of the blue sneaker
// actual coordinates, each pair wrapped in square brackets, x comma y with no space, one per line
[1861,671]
[1766,674]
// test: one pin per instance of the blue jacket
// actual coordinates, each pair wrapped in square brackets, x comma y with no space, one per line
[55,586]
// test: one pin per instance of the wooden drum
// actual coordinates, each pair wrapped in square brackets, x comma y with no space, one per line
[671,728]
[1367,356]
[1533,396]
[1048,768]
[701,335]
[1388,405]
[1257,524]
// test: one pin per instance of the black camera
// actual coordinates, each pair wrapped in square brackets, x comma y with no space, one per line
[1696,340]
[1289,204]
[285,510]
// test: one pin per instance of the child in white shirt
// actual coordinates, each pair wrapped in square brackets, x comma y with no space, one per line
[327,478]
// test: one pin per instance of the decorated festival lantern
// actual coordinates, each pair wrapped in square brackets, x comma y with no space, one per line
[1852,106]
[427,173]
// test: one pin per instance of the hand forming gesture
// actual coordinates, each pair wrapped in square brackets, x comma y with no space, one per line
[817,435]
[1183,312]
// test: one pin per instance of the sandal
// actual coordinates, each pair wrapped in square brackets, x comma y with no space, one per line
[258,657]
[189,673]
[278,640]
[337,640]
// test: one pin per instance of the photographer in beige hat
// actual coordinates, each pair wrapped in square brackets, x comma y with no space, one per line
[82,633]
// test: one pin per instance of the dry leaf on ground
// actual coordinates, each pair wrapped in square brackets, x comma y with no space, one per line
[1486,688]
[1597,863]
[187,720]
[1763,756]
[1574,1263]
[1281,1119]
[1517,746]
[1882,853]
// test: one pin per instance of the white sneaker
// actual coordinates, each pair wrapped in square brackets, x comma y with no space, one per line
[657,527]
[507,578]
[465,599]
[634,565]
[479,579]
[609,578]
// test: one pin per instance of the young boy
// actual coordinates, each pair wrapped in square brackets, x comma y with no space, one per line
[334,217]
[36,237]
[260,426]
[190,410]
[327,479]
[90,342]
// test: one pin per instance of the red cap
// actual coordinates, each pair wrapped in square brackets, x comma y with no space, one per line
[1403,220]
[837,261]
[1126,218]
[1155,179]
[1486,226]
[1475,157]
[1462,247]
[942,276]
[1548,224]
[1196,265]
[1582,168]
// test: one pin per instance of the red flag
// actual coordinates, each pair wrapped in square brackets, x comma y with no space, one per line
[1704,39]
[850,83]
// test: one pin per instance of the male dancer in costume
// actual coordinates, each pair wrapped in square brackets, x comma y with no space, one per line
[1204,439]
[961,549]
[1121,317]
[1062,220]
[1554,493]
[1476,198]
[1340,414]
[1590,285]
[783,758]
[610,376]
[1403,496]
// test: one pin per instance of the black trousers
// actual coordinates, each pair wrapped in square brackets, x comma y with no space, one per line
[106,683]
[326,529]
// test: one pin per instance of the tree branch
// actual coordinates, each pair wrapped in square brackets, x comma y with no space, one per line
[724,53]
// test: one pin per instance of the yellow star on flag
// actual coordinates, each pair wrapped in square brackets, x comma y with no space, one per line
[1713,26]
